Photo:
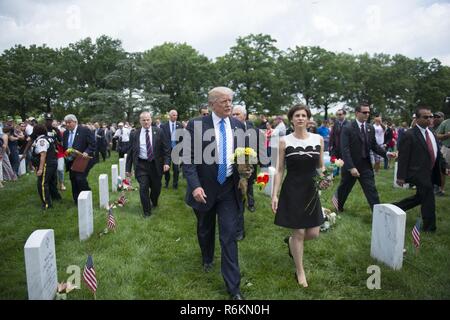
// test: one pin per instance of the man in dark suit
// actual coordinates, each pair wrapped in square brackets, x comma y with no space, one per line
[213,184]
[82,139]
[335,134]
[100,142]
[418,163]
[357,139]
[170,128]
[150,156]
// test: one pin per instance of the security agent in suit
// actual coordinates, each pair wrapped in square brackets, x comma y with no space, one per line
[170,128]
[149,153]
[357,139]
[100,142]
[213,185]
[418,163]
[335,134]
[82,139]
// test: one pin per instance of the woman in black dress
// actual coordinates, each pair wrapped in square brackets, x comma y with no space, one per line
[298,206]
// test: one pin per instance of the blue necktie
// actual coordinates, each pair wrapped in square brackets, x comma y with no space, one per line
[174,142]
[222,172]
[70,142]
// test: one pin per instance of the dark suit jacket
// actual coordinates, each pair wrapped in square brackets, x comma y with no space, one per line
[83,141]
[335,139]
[205,175]
[161,150]
[166,130]
[352,142]
[414,162]
[101,139]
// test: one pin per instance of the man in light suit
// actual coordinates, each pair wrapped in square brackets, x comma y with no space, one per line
[82,139]
[213,185]
[150,156]
[418,163]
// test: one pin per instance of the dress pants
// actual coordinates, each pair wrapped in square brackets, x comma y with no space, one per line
[148,179]
[366,180]
[46,185]
[176,174]
[79,183]
[425,197]
[226,210]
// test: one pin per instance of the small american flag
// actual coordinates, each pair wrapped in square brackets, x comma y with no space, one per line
[416,234]
[335,202]
[111,220]
[89,274]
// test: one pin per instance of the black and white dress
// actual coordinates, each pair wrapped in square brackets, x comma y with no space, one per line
[299,204]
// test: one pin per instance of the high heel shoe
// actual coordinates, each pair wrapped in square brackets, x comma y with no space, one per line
[304,285]
[286,240]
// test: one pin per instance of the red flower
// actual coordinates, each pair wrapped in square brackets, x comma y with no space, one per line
[333,159]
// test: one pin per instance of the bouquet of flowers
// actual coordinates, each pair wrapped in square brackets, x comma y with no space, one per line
[63,289]
[330,219]
[324,176]
[262,179]
[245,158]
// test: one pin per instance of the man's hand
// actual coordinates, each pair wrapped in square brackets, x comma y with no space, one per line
[128,174]
[39,172]
[199,195]
[166,168]
[354,172]
[400,182]
[85,155]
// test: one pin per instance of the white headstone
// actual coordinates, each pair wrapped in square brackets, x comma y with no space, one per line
[22,167]
[85,215]
[388,235]
[125,157]
[268,189]
[406,185]
[1,170]
[40,265]
[103,190]
[114,175]
[122,167]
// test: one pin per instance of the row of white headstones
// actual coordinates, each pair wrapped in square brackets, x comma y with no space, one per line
[40,256]
[387,243]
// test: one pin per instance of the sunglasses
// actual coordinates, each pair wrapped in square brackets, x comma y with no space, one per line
[365,112]
[426,117]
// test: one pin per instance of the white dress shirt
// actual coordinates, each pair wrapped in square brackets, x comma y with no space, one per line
[431,135]
[229,133]
[143,143]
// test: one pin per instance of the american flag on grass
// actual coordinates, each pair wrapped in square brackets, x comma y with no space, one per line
[335,202]
[416,234]
[111,220]
[89,274]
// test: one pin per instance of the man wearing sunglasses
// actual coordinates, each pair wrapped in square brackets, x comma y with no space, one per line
[418,163]
[357,139]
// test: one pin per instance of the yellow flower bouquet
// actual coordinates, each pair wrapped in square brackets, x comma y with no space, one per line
[245,158]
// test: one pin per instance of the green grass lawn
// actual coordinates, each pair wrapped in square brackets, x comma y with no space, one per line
[159,258]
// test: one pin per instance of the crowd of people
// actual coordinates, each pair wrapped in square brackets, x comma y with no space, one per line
[298,145]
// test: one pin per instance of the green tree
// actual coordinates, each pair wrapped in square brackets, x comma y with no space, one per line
[251,70]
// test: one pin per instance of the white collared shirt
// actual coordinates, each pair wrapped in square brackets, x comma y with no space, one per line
[431,135]
[143,143]
[229,133]
[172,128]
[123,133]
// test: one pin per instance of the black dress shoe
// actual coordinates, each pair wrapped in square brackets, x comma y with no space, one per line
[207,267]
[286,240]
[240,236]
[147,215]
[237,296]
[251,208]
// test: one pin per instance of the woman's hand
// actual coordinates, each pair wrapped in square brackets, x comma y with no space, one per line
[325,184]
[274,204]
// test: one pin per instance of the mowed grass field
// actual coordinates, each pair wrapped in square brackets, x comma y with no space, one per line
[159,258]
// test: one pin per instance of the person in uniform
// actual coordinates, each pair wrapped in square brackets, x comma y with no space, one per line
[45,161]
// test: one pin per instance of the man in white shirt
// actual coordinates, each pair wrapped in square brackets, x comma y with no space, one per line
[123,133]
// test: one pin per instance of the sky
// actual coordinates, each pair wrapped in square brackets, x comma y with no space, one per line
[415,28]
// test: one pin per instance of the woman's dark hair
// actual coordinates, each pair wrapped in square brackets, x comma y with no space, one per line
[296,108]
[39,130]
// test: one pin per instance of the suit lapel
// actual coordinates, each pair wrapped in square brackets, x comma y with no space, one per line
[358,130]
[421,138]
[153,138]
